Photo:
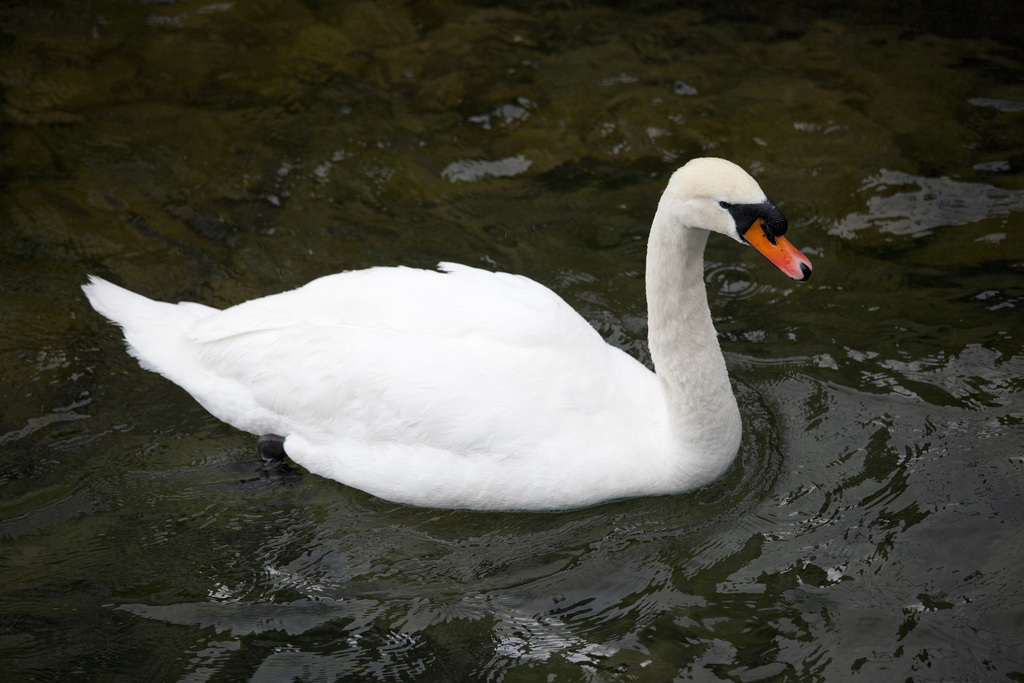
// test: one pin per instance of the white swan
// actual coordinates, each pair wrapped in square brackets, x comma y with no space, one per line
[471,389]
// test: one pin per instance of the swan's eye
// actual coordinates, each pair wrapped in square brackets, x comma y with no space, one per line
[725,205]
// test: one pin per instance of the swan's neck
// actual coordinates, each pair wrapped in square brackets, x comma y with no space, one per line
[704,418]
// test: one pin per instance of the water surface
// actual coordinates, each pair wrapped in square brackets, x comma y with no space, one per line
[221,151]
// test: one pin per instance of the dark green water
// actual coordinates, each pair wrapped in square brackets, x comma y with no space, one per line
[870,530]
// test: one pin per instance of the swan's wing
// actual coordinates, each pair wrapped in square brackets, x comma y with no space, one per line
[467,361]
[458,302]
[373,387]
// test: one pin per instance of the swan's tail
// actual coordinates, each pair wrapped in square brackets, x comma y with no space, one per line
[155,330]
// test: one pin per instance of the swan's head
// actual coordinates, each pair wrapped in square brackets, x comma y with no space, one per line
[717,195]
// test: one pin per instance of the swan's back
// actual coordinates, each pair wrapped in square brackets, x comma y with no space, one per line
[456,302]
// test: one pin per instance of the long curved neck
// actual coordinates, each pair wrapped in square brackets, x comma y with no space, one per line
[684,345]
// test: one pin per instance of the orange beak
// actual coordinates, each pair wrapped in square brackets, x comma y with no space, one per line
[779,251]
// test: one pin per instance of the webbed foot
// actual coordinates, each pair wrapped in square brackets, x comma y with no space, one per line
[271,448]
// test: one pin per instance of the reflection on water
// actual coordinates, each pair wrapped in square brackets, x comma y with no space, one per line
[221,151]
[475,169]
[909,206]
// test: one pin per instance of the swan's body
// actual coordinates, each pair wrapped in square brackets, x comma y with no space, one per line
[471,389]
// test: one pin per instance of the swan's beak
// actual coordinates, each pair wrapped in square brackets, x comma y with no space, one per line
[779,251]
